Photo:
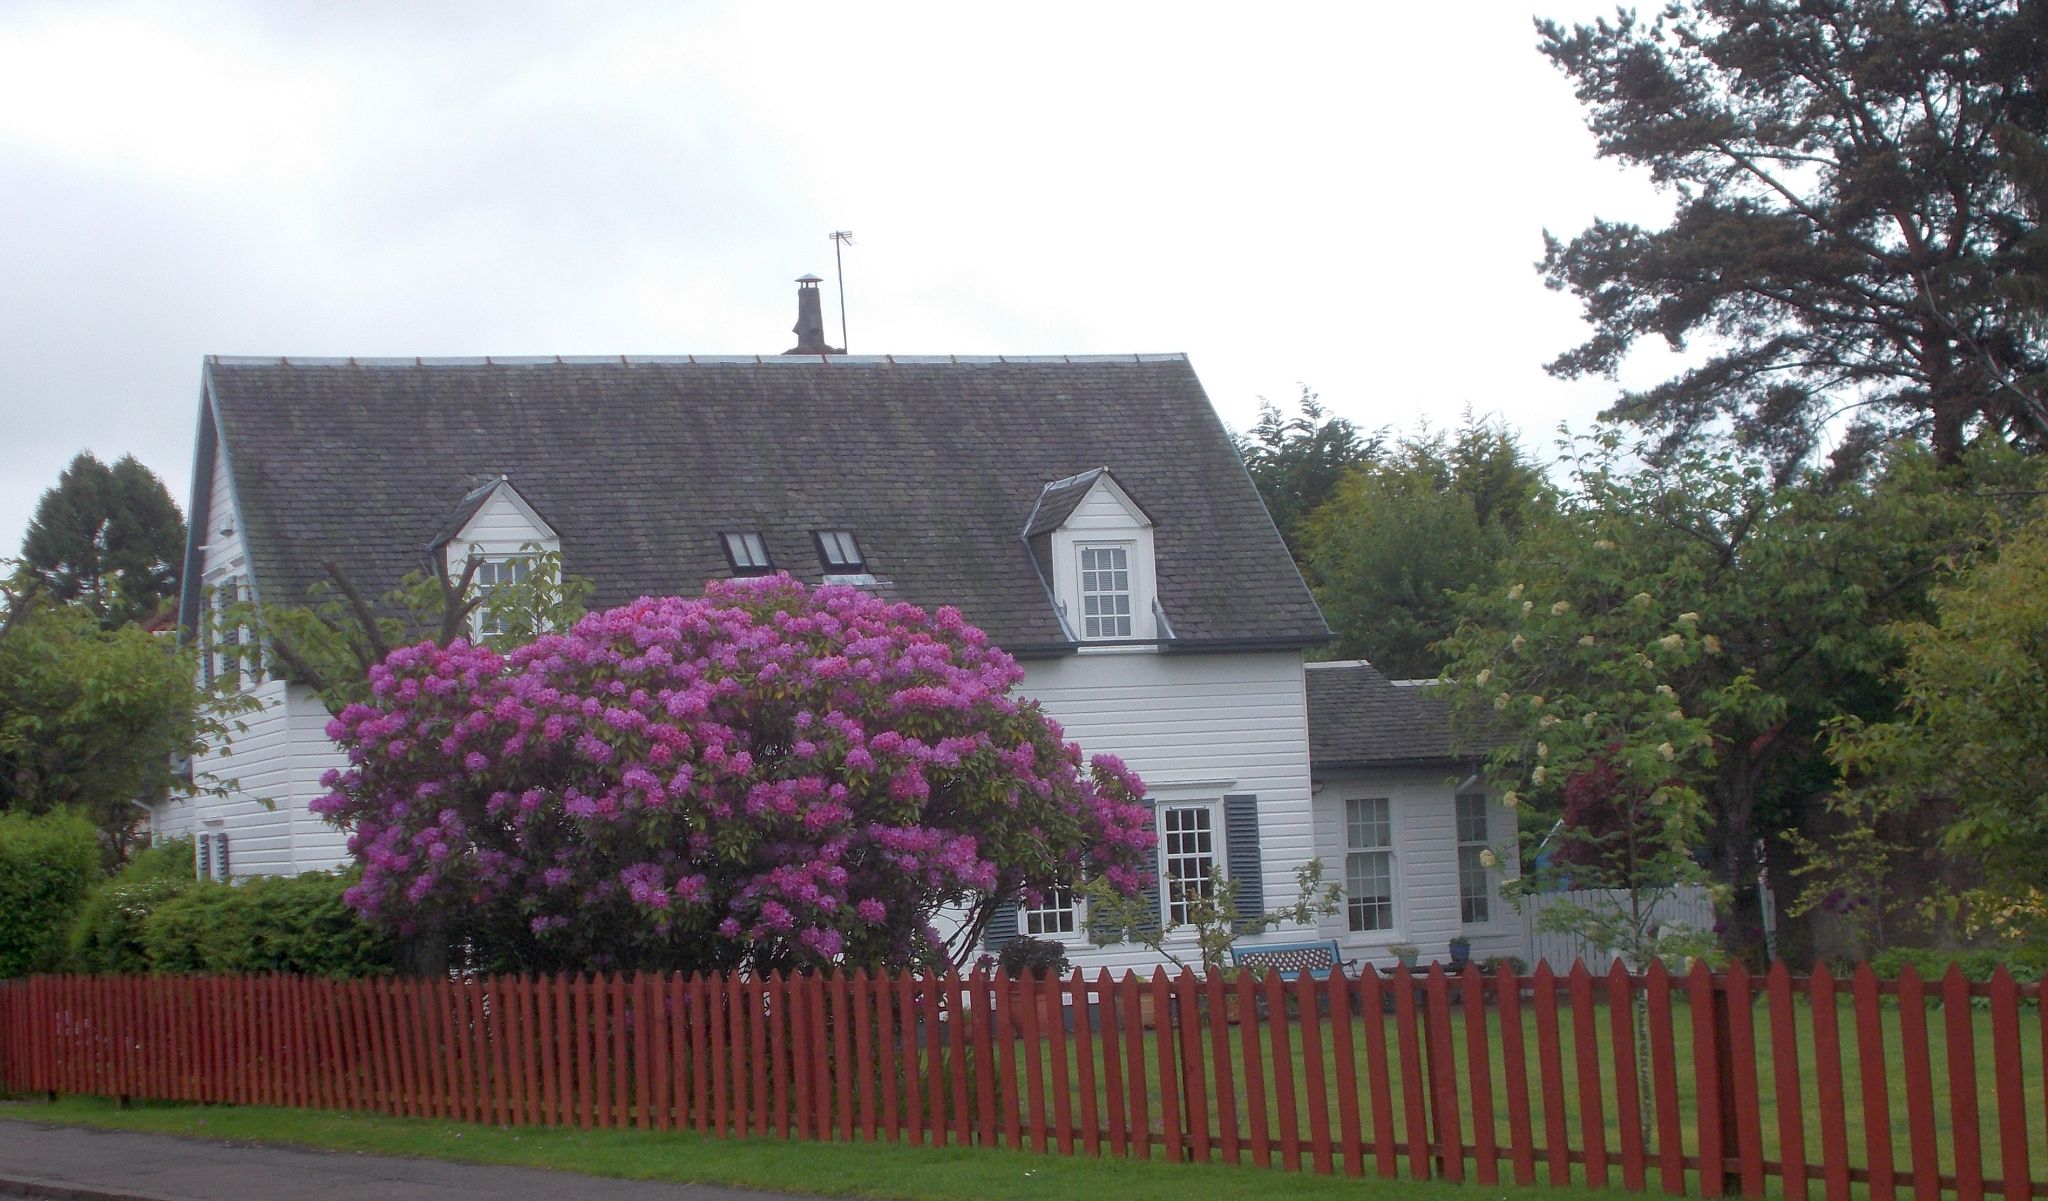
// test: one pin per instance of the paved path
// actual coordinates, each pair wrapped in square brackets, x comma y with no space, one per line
[74,1163]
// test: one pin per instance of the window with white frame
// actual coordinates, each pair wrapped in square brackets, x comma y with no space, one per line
[1475,882]
[492,574]
[1369,863]
[1105,592]
[1187,858]
[1054,917]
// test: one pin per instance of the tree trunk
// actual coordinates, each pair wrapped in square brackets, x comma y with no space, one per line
[1734,860]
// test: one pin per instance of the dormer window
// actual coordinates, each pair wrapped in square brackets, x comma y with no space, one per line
[839,552]
[1105,592]
[747,553]
[1094,547]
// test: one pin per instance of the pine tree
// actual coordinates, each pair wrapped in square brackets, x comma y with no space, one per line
[107,538]
[1855,241]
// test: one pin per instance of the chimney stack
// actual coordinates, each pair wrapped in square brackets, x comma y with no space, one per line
[810,320]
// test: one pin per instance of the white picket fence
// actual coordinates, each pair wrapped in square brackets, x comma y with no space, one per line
[1687,906]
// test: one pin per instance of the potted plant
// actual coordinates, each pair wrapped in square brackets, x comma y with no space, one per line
[1036,959]
[1407,953]
[1461,952]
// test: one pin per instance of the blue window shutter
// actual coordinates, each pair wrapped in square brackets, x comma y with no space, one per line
[1154,913]
[1001,928]
[1241,851]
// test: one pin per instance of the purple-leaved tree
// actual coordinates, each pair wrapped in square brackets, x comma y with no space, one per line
[766,777]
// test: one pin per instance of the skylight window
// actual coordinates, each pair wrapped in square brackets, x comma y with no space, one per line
[747,553]
[840,552]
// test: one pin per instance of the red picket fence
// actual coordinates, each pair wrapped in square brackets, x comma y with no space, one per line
[1707,1083]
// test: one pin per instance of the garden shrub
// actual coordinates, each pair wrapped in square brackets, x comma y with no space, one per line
[106,936]
[296,924]
[1977,964]
[48,864]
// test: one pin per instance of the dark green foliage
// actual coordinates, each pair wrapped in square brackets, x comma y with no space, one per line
[108,539]
[94,718]
[294,924]
[1854,229]
[1034,957]
[48,864]
[1402,535]
[1298,462]
[107,934]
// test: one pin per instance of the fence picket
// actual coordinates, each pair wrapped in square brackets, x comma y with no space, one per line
[1414,1106]
[1550,1064]
[1785,1079]
[2012,1111]
[1515,1061]
[1443,1073]
[1054,991]
[1130,1006]
[1084,1064]
[1664,1082]
[1112,1064]
[1283,1073]
[983,1037]
[1925,1164]
[1254,1070]
[1338,992]
[1877,1110]
[1827,1074]
[1164,1004]
[1964,1122]
[1312,1071]
[1628,1100]
[1188,1007]
[1586,1054]
[1748,1135]
[935,1059]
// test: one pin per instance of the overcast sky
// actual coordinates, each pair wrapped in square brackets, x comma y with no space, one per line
[1349,196]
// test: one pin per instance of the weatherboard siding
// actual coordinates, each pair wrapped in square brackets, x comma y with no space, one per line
[316,843]
[1426,909]
[1195,728]
[257,810]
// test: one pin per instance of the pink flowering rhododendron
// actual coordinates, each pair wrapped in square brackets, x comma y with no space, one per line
[767,776]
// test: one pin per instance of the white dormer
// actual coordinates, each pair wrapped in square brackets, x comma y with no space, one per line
[1095,545]
[496,526]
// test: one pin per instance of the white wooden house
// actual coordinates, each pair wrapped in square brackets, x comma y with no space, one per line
[1089,513]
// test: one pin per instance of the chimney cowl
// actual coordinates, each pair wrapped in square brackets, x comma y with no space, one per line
[810,319]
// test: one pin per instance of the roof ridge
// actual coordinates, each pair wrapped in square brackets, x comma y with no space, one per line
[655,360]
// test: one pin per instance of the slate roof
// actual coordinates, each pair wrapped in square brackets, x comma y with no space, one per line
[1058,501]
[934,464]
[1359,718]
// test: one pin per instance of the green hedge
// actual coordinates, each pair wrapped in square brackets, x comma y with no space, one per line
[47,866]
[292,924]
[1975,964]
[107,934]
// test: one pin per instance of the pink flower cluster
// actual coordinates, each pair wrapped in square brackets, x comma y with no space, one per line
[767,775]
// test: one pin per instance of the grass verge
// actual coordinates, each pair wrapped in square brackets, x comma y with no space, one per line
[840,1170]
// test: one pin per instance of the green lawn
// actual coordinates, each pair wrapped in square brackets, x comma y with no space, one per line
[854,1170]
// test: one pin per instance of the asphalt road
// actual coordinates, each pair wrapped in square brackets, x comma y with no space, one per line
[80,1164]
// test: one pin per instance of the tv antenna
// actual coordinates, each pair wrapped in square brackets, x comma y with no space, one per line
[841,238]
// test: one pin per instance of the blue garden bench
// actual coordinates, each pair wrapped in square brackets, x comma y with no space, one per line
[1291,959]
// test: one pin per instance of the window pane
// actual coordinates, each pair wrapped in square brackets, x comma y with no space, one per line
[1367,823]
[1369,889]
[1105,592]
[1475,882]
[746,550]
[1189,842]
[1475,892]
[1056,916]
